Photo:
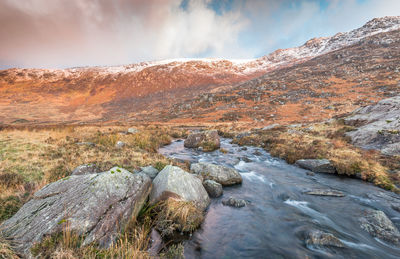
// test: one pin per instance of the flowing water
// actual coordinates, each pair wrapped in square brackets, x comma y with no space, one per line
[279,213]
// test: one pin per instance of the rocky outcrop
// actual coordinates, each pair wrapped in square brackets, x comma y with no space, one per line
[86,169]
[150,171]
[220,174]
[378,126]
[325,192]
[207,140]
[379,225]
[317,165]
[320,238]
[174,182]
[234,202]
[96,206]
[213,188]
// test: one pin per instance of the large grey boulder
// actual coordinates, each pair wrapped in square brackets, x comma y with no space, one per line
[97,206]
[317,165]
[213,188]
[173,182]
[378,126]
[207,140]
[86,169]
[221,174]
[379,225]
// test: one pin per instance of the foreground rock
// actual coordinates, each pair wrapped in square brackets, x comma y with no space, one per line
[320,238]
[96,205]
[86,169]
[150,171]
[317,165]
[378,126]
[379,225]
[208,140]
[325,192]
[213,188]
[174,182]
[234,202]
[220,174]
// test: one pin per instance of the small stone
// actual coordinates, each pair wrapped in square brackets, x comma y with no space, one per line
[319,238]
[213,188]
[234,202]
[310,173]
[132,130]
[120,144]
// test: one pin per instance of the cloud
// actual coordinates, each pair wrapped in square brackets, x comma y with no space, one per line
[59,33]
[54,33]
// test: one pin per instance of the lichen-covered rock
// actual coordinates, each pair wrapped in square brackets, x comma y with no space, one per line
[207,140]
[86,169]
[133,130]
[317,165]
[213,188]
[174,182]
[320,238]
[221,174]
[325,192]
[379,225]
[97,206]
[234,202]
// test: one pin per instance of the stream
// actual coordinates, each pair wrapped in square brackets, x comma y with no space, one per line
[273,224]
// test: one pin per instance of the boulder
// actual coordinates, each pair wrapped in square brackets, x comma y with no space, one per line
[317,165]
[220,174]
[325,192]
[376,223]
[378,126]
[234,202]
[320,238]
[207,140]
[213,188]
[97,206]
[174,182]
[86,169]
[150,171]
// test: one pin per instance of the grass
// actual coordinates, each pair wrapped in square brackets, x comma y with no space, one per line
[33,157]
[325,140]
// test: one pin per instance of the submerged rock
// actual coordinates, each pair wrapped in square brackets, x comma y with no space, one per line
[174,182]
[325,192]
[379,225]
[213,188]
[317,165]
[207,140]
[220,174]
[97,206]
[320,238]
[150,171]
[86,169]
[234,202]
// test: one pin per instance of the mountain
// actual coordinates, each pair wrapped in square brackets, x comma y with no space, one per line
[322,78]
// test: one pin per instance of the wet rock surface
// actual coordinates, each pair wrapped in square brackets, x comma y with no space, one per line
[317,165]
[234,202]
[96,206]
[221,174]
[379,225]
[325,192]
[174,182]
[213,188]
[320,238]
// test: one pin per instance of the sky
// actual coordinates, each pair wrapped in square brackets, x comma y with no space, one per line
[71,33]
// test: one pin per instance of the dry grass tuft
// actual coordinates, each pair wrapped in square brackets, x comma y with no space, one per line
[6,250]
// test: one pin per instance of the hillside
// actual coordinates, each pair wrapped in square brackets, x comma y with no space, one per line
[335,73]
